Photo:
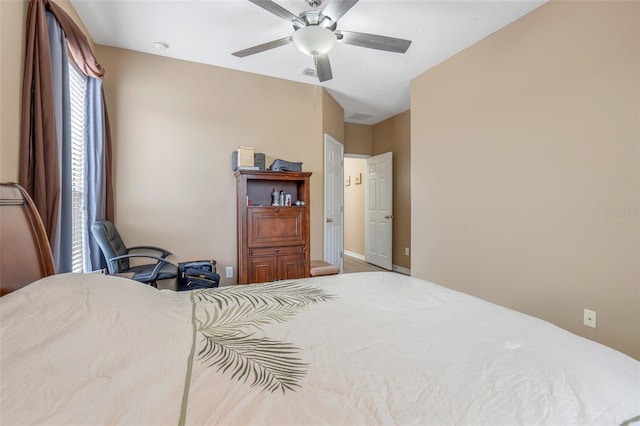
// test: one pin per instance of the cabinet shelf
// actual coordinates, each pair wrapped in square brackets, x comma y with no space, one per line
[275,207]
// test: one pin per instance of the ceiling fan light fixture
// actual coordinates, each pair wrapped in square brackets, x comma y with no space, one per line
[314,40]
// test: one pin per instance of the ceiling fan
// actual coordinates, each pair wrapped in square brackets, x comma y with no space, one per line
[315,34]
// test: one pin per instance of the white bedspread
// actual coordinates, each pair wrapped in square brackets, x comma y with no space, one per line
[368,348]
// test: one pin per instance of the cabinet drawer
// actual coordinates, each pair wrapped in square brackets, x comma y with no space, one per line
[264,251]
[275,226]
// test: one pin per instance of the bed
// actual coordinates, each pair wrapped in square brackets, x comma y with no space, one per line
[366,348]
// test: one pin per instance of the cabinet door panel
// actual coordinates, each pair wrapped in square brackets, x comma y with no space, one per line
[262,269]
[270,226]
[290,267]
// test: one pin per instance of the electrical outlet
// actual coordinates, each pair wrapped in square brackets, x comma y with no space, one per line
[406,251]
[590,318]
[229,272]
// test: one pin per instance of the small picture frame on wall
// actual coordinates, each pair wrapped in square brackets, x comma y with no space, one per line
[347,181]
[358,178]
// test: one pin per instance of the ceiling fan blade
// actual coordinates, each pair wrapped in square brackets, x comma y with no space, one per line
[323,68]
[262,47]
[374,41]
[337,8]
[277,10]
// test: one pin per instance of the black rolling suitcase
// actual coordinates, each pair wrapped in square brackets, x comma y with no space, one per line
[197,274]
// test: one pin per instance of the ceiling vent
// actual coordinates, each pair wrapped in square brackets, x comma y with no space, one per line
[309,72]
[359,116]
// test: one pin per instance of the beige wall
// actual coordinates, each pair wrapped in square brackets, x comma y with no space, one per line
[175,125]
[525,158]
[332,118]
[13,17]
[394,135]
[358,139]
[354,206]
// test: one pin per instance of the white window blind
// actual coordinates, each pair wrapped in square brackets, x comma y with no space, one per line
[78,91]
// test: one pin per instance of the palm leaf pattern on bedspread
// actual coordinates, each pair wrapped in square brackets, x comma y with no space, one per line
[229,321]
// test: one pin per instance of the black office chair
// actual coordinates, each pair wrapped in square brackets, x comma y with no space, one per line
[118,255]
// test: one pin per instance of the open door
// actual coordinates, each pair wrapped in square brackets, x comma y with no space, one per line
[333,201]
[378,215]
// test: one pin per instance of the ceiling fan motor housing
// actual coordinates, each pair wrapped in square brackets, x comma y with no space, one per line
[314,17]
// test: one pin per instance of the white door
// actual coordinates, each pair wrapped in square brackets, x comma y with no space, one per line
[378,210]
[333,201]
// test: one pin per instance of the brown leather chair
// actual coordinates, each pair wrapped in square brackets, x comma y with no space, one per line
[25,254]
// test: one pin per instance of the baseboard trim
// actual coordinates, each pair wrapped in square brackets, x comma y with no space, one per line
[353,254]
[401,270]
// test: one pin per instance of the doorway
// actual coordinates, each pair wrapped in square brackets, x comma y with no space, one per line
[333,201]
[366,186]
[354,166]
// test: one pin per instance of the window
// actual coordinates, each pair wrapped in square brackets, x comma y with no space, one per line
[78,91]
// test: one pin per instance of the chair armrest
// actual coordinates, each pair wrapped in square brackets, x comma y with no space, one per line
[164,252]
[156,269]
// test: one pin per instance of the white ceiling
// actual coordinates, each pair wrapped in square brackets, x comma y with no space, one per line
[365,81]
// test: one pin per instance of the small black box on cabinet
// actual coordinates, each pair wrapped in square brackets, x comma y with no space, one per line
[259,162]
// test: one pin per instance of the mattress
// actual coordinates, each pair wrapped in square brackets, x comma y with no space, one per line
[365,348]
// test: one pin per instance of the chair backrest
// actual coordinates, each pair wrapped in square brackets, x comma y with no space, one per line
[25,253]
[111,245]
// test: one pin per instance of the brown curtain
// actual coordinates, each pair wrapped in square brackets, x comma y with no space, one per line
[39,168]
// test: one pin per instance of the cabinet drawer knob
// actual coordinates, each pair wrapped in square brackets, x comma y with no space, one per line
[277,209]
[277,250]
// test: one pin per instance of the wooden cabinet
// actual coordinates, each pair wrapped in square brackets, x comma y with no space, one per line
[273,241]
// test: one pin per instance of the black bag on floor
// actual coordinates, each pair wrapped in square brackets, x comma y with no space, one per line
[197,275]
